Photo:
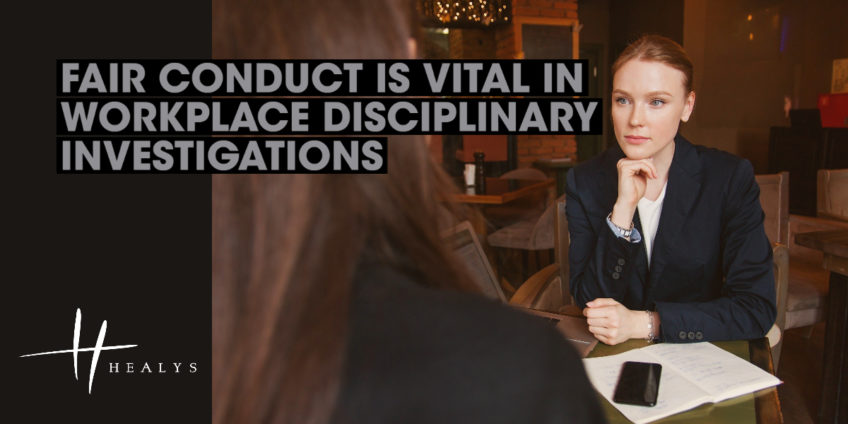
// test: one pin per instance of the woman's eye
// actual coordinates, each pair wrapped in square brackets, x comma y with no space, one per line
[657,102]
[621,100]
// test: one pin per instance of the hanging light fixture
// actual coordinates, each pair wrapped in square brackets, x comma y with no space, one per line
[465,13]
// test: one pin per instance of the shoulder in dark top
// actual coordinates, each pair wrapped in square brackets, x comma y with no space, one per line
[418,355]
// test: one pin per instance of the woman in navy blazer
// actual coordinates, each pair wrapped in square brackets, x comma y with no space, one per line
[667,238]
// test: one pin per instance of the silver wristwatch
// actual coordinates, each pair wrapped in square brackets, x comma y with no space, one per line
[625,232]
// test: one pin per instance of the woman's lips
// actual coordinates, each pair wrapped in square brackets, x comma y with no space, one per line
[636,140]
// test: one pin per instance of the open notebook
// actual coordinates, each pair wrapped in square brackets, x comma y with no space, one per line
[692,374]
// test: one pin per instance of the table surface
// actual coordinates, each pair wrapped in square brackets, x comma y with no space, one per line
[830,242]
[759,407]
[500,191]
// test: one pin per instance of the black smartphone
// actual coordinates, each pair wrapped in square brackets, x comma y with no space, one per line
[638,384]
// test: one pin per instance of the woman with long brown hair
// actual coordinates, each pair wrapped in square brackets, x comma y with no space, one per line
[325,300]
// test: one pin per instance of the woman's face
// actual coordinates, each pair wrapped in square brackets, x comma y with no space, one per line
[648,103]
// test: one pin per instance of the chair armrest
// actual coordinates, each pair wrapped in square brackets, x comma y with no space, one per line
[781,281]
[774,335]
[532,289]
[780,255]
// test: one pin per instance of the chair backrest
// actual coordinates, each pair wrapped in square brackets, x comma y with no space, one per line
[537,201]
[544,233]
[525,174]
[463,241]
[774,198]
[548,289]
[832,194]
[542,291]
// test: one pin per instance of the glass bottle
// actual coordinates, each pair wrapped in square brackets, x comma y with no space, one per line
[480,177]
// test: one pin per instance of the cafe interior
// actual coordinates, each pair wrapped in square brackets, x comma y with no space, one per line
[771,78]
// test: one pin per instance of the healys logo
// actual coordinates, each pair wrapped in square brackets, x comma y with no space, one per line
[96,351]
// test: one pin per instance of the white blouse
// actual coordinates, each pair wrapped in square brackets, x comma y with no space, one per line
[649,215]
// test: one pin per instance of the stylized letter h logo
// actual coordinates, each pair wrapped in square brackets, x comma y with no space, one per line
[98,347]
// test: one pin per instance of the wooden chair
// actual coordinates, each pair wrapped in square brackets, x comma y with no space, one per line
[832,194]
[808,281]
[774,199]
[525,245]
[548,289]
[524,209]
[536,233]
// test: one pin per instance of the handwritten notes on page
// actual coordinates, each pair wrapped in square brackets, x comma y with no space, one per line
[692,374]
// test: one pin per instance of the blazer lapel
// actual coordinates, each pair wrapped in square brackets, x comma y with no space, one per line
[683,188]
[642,256]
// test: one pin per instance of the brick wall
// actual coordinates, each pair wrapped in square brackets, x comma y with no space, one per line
[472,44]
[547,8]
[531,8]
[500,44]
[532,147]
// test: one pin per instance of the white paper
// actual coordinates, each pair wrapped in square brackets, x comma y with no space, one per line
[692,374]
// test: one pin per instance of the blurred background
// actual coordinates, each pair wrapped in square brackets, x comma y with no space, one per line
[771,80]
[755,60]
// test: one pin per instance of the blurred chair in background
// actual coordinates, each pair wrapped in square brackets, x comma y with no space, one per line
[832,196]
[520,228]
[530,207]
[526,246]
[548,290]
[808,281]
[774,199]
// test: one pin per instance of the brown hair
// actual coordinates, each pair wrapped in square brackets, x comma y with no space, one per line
[285,247]
[657,48]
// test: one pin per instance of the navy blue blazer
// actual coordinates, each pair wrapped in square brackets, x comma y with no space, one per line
[710,276]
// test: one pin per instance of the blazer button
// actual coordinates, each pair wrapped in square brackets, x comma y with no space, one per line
[699,335]
[621,261]
[615,276]
[682,335]
[617,268]
[691,335]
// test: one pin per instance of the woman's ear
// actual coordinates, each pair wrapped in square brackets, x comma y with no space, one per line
[688,106]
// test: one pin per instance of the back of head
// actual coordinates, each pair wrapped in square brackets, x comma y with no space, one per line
[285,247]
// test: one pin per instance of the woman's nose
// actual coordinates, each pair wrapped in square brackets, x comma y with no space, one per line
[637,116]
